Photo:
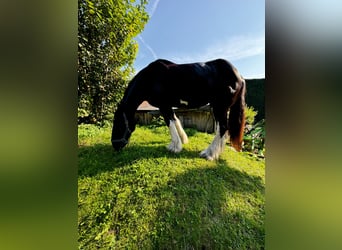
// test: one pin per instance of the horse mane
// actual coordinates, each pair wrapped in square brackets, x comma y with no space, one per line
[142,74]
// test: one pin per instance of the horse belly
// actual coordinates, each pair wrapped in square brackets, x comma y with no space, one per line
[194,93]
[192,102]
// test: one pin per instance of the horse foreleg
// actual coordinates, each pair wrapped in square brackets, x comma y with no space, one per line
[181,132]
[178,136]
[176,143]
[216,147]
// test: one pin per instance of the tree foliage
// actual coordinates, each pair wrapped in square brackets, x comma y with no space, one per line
[106,51]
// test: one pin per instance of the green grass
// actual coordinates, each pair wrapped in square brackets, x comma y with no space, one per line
[145,197]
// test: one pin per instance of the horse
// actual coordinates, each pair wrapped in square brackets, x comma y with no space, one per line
[165,84]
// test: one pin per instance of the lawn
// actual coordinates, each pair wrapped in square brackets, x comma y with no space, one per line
[145,197]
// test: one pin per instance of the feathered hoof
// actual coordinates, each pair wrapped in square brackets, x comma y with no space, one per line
[206,155]
[174,147]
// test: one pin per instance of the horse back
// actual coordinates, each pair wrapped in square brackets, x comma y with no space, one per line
[194,83]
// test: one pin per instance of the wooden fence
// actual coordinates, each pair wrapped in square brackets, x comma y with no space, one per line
[201,119]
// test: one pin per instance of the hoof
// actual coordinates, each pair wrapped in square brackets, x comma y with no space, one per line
[209,155]
[205,155]
[174,148]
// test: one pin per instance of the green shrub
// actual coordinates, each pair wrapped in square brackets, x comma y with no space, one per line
[250,114]
[157,121]
[254,138]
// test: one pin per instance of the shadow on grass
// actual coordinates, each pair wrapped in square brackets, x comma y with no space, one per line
[102,157]
[211,208]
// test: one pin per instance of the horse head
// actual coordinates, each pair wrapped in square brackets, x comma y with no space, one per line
[122,129]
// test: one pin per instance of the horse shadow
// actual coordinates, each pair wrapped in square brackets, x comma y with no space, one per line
[198,215]
[200,208]
[100,158]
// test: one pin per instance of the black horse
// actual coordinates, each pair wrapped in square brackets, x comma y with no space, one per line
[165,84]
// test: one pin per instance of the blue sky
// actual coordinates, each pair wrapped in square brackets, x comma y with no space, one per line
[200,30]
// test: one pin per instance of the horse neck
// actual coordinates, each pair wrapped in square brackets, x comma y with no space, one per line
[131,101]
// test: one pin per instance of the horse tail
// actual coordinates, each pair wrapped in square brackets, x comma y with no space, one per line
[236,119]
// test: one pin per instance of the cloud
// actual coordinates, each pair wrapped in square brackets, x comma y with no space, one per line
[232,49]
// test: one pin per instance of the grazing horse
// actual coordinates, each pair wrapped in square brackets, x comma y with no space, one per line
[165,84]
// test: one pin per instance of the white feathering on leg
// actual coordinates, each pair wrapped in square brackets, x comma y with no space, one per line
[176,144]
[216,147]
[181,131]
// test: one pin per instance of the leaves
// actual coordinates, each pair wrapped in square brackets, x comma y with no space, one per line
[254,139]
[106,52]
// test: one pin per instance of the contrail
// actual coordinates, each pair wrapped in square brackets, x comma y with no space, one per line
[151,13]
[154,7]
[148,47]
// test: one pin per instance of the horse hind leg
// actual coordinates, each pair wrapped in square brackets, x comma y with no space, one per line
[213,151]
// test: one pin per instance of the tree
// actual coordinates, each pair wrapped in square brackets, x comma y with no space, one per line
[106,51]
